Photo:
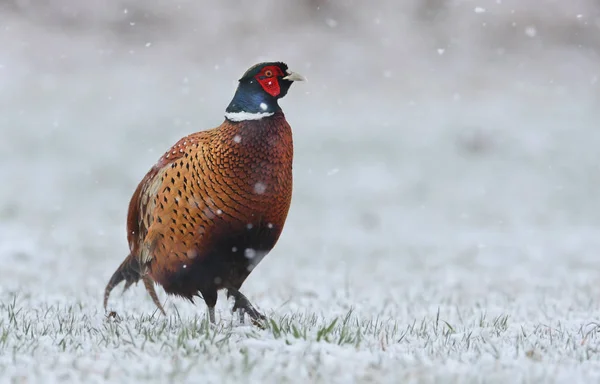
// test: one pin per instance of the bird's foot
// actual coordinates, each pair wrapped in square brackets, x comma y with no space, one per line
[242,305]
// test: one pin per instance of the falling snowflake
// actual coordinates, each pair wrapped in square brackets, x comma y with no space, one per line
[250,253]
[331,23]
[192,254]
[260,188]
[531,31]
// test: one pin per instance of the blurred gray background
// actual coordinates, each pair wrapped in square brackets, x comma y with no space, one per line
[433,135]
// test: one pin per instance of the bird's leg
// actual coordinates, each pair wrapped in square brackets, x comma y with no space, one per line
[211,314]
[149,284]
[240,312]
[210,298]
[236,307]
[243,305]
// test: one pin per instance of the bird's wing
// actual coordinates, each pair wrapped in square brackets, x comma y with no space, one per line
[145,227]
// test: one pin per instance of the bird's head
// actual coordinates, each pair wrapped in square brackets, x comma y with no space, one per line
[259,89]
[273,78]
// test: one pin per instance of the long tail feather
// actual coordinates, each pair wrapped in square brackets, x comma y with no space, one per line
[129,270]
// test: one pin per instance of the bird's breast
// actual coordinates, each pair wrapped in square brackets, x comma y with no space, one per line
[244,180]
[220,204]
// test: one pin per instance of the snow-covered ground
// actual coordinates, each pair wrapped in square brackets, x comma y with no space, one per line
[445,225]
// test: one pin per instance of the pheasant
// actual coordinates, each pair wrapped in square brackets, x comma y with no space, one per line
[214,205]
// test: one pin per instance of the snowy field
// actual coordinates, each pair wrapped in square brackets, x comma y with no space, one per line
[445,224]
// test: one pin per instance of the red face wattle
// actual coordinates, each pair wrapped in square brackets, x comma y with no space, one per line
[268,79]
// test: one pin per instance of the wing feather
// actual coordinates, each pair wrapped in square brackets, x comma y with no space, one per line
[143,232]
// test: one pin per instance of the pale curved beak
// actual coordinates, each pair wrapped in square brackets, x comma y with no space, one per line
[293,76]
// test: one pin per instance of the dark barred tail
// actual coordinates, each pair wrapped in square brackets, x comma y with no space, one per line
[129,270]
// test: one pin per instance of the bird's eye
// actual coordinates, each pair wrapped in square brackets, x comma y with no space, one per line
[268,73]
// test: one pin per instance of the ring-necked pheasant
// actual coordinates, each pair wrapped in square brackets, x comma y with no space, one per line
[215,204]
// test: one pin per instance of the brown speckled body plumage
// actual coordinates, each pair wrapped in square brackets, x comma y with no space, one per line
[208,212]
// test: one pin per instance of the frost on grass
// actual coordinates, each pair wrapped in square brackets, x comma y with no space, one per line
[79,342]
